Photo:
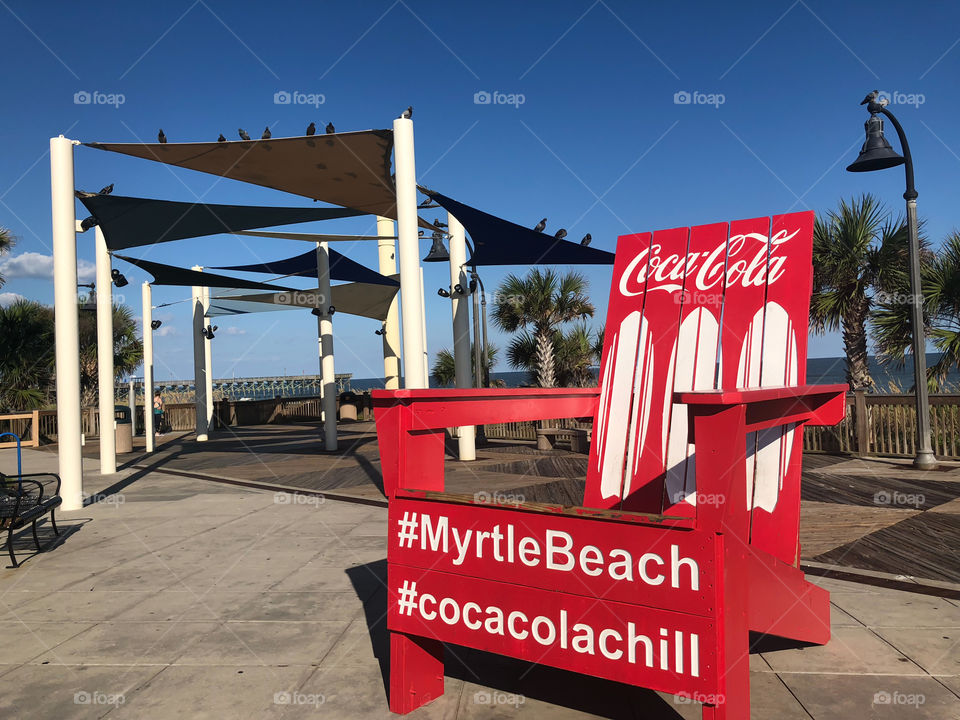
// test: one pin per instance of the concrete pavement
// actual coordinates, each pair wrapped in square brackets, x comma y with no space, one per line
[173,597]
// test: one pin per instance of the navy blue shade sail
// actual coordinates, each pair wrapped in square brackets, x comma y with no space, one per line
[500,242]
[171,275]
[305,265]
[129,222]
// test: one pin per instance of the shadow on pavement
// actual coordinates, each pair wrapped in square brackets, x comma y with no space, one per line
[584,693]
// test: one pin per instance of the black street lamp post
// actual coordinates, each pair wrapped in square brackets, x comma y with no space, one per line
[876,154]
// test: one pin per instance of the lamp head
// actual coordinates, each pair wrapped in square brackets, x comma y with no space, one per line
[438,252]
[155,324]
[876,153]
[118,279]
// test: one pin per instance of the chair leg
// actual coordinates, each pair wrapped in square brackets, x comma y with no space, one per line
[54,523]
[13,558]
[416,671]
[36,540]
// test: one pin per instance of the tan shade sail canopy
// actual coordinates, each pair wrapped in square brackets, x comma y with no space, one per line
[364,299]
[352,169]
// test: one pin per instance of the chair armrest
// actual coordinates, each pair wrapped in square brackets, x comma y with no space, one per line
[771,407]
[54,476]
[722,419]
[410,423]
[435,409]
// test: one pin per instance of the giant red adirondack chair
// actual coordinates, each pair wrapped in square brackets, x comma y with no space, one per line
[688,534]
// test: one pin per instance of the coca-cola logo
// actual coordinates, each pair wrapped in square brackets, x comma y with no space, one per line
[742,259]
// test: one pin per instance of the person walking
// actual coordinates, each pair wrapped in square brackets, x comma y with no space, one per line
[158,414]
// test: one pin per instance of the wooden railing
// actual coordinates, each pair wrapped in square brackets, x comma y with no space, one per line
[874,424]
[25,425]
[886,425]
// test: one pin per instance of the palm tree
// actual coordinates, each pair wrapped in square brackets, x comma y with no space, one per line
[860,256]
[940,282]
[26,355]
[574,352]
[127,350]
[542,301]
[6,242]
[444,371]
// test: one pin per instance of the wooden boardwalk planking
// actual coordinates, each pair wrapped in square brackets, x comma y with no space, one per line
[914,529]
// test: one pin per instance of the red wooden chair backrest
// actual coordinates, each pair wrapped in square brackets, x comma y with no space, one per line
[713,306]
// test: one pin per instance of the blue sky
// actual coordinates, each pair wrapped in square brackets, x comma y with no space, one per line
[598,145]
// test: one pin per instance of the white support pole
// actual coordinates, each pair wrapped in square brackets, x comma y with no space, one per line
[105,380]
[148,429]
[320,364]
[409,253]
[423,337]
[386,247]
[327,370]
[132,403]
[199,363]
[461,326]
[207,364]
[66,330]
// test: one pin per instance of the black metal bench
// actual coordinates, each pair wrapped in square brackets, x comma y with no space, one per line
[26,499]
[578,439]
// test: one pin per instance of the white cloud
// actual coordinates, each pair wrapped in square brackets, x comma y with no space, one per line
[38,265]
[235,331]
[166,331]
[9,298]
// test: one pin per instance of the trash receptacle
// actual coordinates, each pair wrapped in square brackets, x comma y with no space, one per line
[349,405]
[124,431]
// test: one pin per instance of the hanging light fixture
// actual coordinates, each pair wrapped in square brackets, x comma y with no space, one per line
[438,251]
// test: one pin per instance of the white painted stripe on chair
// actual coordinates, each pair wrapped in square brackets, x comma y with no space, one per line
[748,375]
[640,414]
[615,437]
[779,367]
[696,353]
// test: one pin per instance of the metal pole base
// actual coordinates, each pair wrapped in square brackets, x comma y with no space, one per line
[925,461]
